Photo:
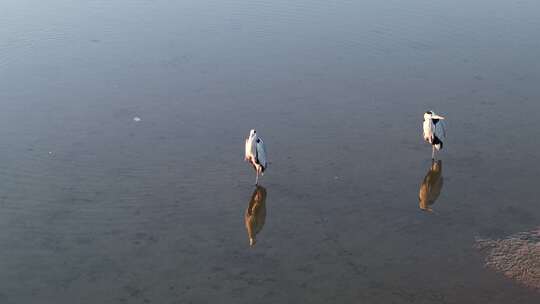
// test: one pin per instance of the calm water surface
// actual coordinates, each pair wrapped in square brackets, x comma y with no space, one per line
[98,208]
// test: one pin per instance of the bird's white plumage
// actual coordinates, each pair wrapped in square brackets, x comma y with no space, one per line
[250,148]
[428,130]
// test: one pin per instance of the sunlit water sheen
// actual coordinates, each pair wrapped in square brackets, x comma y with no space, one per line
[96,207]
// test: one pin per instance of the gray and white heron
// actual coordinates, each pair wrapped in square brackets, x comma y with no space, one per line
[256,154]
[434,132]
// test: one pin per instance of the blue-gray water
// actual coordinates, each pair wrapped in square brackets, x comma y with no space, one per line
[98,208]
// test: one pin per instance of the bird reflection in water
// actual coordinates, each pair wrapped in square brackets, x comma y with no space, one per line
[255,214]
[431,186]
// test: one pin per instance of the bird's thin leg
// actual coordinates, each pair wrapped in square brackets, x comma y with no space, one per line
[432,152]
[257,178]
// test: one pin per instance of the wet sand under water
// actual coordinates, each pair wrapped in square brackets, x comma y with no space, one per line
[517,257]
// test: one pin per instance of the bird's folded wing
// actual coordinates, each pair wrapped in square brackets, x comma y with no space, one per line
[440,132]
[261,153]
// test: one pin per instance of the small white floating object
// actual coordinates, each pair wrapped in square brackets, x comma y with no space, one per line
[137,119]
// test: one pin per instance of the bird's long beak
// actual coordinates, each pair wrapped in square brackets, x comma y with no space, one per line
[435,116]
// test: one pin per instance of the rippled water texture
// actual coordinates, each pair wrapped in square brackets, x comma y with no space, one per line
[97,206]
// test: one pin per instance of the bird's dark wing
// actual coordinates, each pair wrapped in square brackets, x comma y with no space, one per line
[440,132]
[261,153]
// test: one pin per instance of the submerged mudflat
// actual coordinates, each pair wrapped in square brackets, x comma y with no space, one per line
[517,256]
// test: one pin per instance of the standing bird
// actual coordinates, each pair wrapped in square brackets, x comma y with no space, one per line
[255,214]
[434,132]
[256,154]
[431,186]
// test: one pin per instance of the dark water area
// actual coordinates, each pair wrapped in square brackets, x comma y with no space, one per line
[98,208]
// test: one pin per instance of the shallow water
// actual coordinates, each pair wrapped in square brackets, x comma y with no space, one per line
[99,208]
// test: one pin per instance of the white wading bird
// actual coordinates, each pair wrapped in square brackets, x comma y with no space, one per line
[434,132]
[256,154]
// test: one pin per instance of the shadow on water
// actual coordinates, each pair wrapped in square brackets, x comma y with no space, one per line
[255,215]
[431,186]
